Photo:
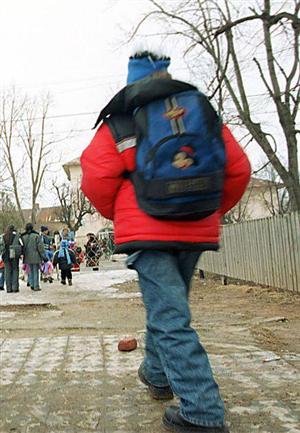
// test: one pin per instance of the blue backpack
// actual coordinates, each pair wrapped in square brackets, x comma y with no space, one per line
[180,157]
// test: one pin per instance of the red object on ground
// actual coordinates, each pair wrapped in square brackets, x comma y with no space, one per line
[127,344]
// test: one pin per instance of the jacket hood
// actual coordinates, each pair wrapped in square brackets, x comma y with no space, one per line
[141,93]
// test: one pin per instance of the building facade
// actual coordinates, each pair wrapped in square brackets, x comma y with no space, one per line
[90,223]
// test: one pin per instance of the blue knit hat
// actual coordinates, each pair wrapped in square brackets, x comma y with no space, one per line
[140,66]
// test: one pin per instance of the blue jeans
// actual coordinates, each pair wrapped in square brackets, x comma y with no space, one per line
[12,275]
[34,276]
[173,354]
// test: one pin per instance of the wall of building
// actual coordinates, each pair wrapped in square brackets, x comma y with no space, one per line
[257,202]
[91,223]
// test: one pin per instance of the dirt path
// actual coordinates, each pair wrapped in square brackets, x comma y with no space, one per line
[60,349]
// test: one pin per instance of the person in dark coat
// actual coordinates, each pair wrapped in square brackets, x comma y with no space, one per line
[93,251]
[65,259]
[34,254]
[12,250]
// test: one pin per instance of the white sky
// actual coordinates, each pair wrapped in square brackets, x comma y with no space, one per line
[77,51]
[68,47]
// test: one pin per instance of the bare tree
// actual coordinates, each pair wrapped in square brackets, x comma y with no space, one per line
[2,163]
[11,113]
[274,195]
[8,213]
[230,36]
[37,147]
[26,145]
[241,211]
[74,206]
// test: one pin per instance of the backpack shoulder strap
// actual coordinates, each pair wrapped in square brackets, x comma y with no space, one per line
[122,127]
[16,240]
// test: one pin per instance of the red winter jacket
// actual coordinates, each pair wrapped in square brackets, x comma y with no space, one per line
[113,196]
[105,165]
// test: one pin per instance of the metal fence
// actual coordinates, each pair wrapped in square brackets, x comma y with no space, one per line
[265,251]
[99,247]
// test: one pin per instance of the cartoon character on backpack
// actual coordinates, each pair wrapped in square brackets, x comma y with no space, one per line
[184,158]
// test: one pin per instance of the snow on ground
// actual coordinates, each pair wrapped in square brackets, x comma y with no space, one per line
[84,283]
[104,281]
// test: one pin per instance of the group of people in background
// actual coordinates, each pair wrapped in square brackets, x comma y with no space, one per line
[40,253]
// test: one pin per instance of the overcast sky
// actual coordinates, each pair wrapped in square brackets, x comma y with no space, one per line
[75,50]
[68,47]
[78,52]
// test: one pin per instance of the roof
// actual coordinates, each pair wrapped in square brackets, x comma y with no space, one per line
[256,182]
[44,214]
[73,163]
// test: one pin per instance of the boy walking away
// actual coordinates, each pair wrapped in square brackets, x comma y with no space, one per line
[165,169]
[65,259]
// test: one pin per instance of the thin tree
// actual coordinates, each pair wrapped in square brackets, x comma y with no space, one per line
[216,31]
[74,206]
[26,144]
[37,146]
[274,195]
[11,113]
[242,211]
[8,213]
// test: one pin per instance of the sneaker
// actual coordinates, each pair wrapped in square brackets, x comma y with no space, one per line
[1,288]
[157,392]
[172,421]
[70,282]
[63,282]
[37,289]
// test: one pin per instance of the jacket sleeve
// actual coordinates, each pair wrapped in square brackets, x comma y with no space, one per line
[102,170]
[41,248]
[237,172]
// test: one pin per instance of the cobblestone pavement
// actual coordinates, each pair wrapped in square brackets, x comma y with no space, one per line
[83,384]
[76,383]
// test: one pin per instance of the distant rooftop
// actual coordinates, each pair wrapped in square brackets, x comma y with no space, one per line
[256,182]
[44,214]
[73,163]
